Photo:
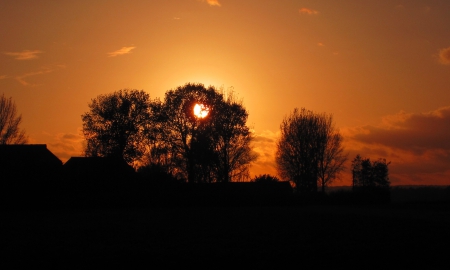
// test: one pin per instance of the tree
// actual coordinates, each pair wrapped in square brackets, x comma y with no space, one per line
[332,159]
[208,147]
[10,132]
[370,175]
[117,125]
[309,150]
[232,138]
[265,178]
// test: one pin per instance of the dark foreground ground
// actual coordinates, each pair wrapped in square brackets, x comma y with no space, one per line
[403,235]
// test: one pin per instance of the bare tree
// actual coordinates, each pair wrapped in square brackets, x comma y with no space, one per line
[332,160]
[10,132]
[309,150]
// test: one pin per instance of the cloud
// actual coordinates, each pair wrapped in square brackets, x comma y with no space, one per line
[444,56]
[212,2]
[3,77]
[417,144]
[308,11]
[414,132]
[66,145]
[43,70]
[320,44]
[24,55]
[264,144]
[124,50]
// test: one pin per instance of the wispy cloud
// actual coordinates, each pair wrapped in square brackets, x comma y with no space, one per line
[212,2]
[3,77]
[264,144]
[176,18]
[122,51]
[416,143]
[444,56]
[320,44]
[308,11]
[43,70]
[66,145]
[25,55]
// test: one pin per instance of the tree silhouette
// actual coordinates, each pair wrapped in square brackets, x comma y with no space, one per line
[367,174]
[232,138]
[211,148]
[332,158]
[10,132]
[117,125]
[371,179]
[265,178]
[309,150]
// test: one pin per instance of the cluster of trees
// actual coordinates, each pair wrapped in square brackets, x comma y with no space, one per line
[200,135]
[196,134]
[370,175]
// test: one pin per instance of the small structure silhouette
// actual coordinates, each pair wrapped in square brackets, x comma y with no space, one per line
[102,169]
[98,182]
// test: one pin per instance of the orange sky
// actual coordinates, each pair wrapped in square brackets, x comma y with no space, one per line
[382,68]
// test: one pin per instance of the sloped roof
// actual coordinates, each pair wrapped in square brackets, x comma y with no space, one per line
[28,154]
[28,160]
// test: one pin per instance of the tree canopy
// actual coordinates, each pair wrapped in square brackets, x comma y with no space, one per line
[10,131]
[309,150]
[214,146]
[117,125]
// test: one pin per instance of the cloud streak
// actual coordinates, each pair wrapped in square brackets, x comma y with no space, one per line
[43,70]
[122,51]
[24,55]
[444,56]
[308,11]
[212,2]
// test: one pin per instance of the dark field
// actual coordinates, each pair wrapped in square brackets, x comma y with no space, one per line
[400,235]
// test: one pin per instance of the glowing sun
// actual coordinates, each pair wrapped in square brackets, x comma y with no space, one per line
[200,110]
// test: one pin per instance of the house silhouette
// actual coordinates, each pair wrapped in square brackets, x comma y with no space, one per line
[29,176]
[28,162]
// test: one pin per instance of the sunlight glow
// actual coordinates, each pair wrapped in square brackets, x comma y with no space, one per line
[200,110]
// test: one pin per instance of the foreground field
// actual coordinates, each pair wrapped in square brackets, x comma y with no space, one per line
[354,236]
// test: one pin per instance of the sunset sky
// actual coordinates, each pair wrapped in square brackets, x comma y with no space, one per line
[382,68]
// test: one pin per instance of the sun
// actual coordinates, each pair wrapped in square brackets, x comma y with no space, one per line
[200,110]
